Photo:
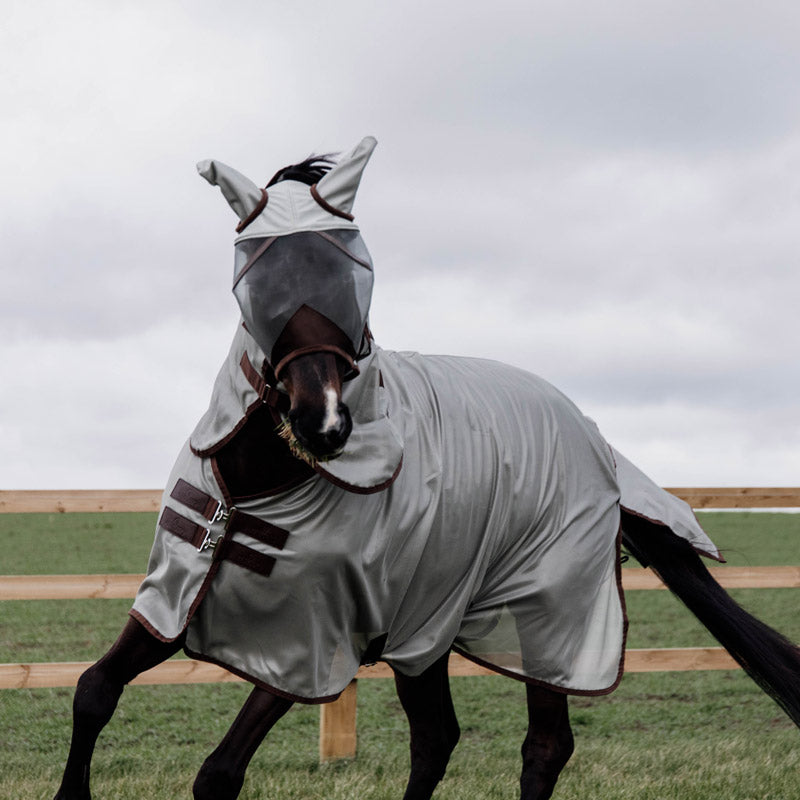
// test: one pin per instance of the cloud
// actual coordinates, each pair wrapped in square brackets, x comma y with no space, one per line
[108,413]
[604,194]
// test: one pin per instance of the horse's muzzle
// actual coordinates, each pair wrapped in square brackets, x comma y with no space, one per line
[322,433]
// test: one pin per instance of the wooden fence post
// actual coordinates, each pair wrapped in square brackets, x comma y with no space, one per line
[337,726]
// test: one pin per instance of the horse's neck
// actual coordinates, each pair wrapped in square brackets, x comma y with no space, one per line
[257,461]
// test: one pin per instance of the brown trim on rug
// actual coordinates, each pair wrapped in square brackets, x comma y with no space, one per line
[145,623]
[507,673]
[199,597]
[230,499]
[284,487]
[223,487]
[327,206]
[266,395]
[260,206]
[359,489]
[209,451]
[258,682]
[213,568]
[622,602]
[202,591]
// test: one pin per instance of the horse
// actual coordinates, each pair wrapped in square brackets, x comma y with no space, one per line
[339,504]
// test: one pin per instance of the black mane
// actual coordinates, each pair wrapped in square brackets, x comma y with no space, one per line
[309,171]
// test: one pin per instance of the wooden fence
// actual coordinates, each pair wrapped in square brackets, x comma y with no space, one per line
[60,501]
[338,719]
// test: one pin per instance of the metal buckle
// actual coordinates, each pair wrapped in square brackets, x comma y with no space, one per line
[221,514]
[208,542]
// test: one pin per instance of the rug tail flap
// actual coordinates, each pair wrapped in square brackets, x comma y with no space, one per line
[641,496]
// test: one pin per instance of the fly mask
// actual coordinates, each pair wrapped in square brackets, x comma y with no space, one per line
[303,280]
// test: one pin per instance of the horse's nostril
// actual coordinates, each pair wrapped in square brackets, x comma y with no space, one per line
[323,438]
[336,433]
[345,426]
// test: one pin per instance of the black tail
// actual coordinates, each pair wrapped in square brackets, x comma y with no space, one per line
[770,659]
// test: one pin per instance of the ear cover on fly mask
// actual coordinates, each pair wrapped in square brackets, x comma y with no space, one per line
[290,205]
[338,188]
[240,192]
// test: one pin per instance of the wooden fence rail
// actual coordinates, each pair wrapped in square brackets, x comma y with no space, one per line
[64,501]
[338,719]
[106,587]
[186,670]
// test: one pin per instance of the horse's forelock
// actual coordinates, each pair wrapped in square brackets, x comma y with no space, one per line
[310,171]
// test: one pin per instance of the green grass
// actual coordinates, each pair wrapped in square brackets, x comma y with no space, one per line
[694,736]
[668,736]
[73,544]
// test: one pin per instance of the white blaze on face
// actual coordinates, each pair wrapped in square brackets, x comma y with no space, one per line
[331,420]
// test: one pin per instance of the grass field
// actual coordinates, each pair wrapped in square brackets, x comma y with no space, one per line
[694,736]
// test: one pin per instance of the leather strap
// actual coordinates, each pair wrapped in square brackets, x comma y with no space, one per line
[224,549]
[204,504]
[237,522]
[319,348]
[182,527]
[268,394]
[308,331]
[259,529]
[244,556]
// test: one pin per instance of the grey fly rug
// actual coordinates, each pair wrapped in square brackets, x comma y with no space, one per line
[474,506]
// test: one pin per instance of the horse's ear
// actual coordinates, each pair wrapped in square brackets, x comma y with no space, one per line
[240,192]
[338,188]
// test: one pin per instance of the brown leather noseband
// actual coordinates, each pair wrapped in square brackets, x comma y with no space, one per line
[308,331]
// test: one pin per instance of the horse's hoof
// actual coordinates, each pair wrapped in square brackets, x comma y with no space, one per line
[62,794]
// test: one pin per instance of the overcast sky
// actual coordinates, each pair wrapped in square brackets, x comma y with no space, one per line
[606,194]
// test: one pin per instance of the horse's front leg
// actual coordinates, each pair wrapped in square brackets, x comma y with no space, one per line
[428,705]
[222,774]
[96,696]
[548,744]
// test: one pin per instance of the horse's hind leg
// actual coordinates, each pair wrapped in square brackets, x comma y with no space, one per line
[434,728]
[548,744]
[222,774]
[96,696]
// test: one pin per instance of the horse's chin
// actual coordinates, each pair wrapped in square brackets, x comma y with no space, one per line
[331,456]
[302,449]
[319,456]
